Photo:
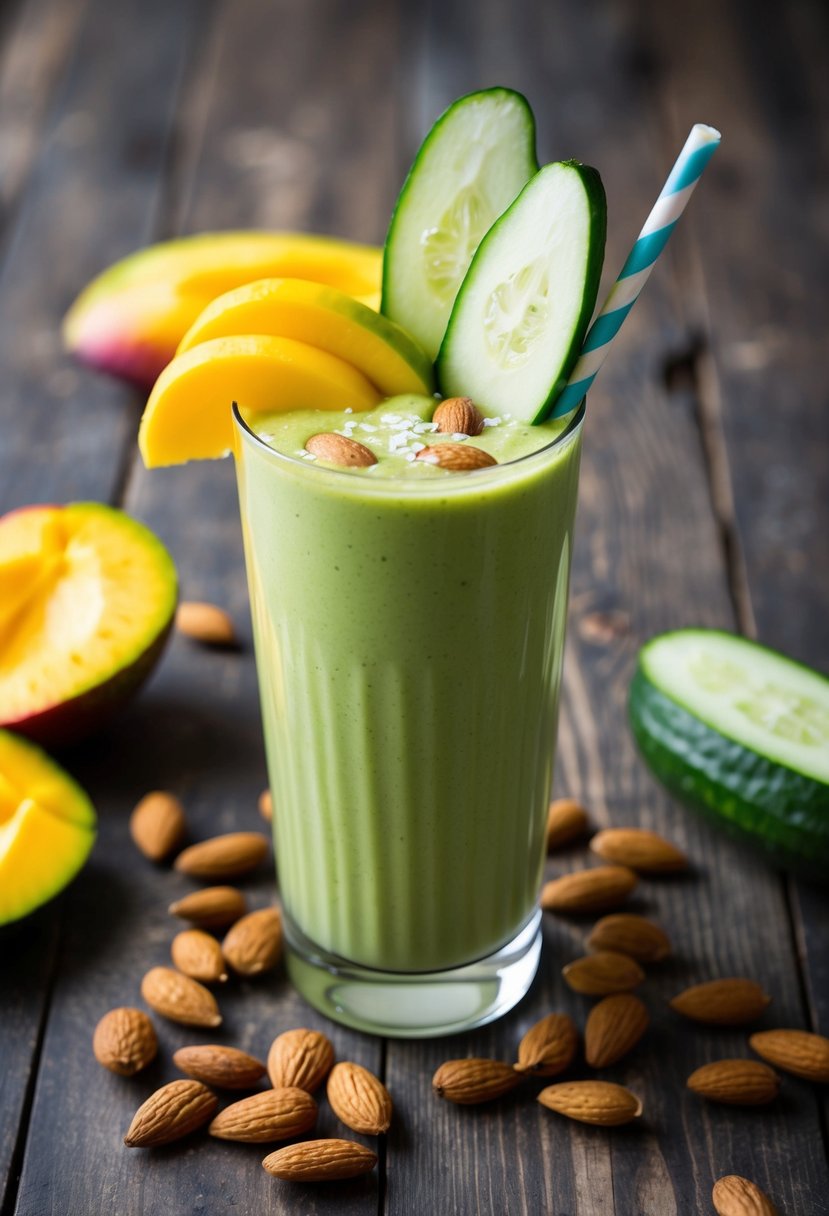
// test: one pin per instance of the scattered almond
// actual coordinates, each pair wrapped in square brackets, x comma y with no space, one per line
[177,997]
[729,1002]
[273,1114]
[339,449]
[548,1047]
[588,890]
[613,1028]
[456,457]
[171,1112]
[215,1064]
[225,856]
[566,821]
[266,805]
[254,943]
[458,416]
[632,935]
[212,908]
[598,1102]
[645,852]
[735,1082]
[205,623]
[300,1057]
[157,824]
[736,1196]
[602,973]
[796,1051]
[125,1041]
[359,1099]
[197,954]
[320,1161]
[470,1081]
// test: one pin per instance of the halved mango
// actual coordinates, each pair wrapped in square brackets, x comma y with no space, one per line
[91,598]
[325,318]
[188,415]
[47,827]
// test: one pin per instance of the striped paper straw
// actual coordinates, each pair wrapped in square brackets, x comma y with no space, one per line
[699,147]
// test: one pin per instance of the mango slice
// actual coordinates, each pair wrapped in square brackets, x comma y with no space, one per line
[47,827]
[131,318]
[188,415]
[325,318]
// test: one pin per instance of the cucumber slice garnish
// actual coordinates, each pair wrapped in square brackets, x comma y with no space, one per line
[472,164]
[523,309]
[741,733]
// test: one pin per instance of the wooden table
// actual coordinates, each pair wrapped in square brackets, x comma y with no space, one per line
[704,500]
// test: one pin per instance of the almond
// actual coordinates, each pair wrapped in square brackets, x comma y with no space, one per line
[643,851]
[588,890]
[736,1196]
[205,623]
[602,973]
[300,1057]
[274,1114]
[212,908]
[157,825]
[125,1041]
[735,1082]
[225,856]
[171,1112]
[630,934]
[456,457]
[458,416]
[598,1102]
[254,943]
[339,449]
[359,1099]
[265,805]
[613,1028]
[215,1064]
[197,954]
[470,1081]
[320,1161]
[177,997]
[548,1047]
[797,1051]
[566,821]
[729,1002]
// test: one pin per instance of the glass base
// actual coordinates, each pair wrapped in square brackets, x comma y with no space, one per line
[414,1005]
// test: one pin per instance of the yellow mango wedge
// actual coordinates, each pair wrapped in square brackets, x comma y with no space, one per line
[188,415]
[325,318]
[129,320]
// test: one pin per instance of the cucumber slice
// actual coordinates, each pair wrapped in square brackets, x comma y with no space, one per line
[740,733]
[472,164]
[523,309]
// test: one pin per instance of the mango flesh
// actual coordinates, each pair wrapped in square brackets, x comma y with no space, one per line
[88,597]
[323,317]
[131,318]
[47,827]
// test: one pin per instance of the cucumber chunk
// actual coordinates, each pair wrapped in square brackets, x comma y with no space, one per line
[472,164]
[523,309]
[741,733]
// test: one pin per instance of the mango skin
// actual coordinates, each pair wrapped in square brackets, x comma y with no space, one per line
[129,320]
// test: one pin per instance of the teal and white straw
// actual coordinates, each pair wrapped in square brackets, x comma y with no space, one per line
[699,147]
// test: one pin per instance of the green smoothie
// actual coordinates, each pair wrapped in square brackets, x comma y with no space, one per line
[409,626]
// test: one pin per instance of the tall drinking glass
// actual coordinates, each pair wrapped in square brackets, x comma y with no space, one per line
[409,638]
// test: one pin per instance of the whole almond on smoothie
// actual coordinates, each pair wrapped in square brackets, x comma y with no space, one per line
[548,1047]
[632,935]
[320,1161]
[225,856]
[736,1196]
[645,852]
[588,890]
[470,1081]
[157,825]
[171,1112]
[125,1041]
[566,821]
[735,1082]
[796,1051]
[177,997]
[602,973]
[458,416]
[215,1064]
[456,457]
[254,943]
[300,1057]
[613,1028]
[726,1002]
[339,449]
[359,1099]
[598,1102]
[273,1114]
[211,908]
[197,954]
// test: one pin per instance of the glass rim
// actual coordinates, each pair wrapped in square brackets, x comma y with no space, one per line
[401,485]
